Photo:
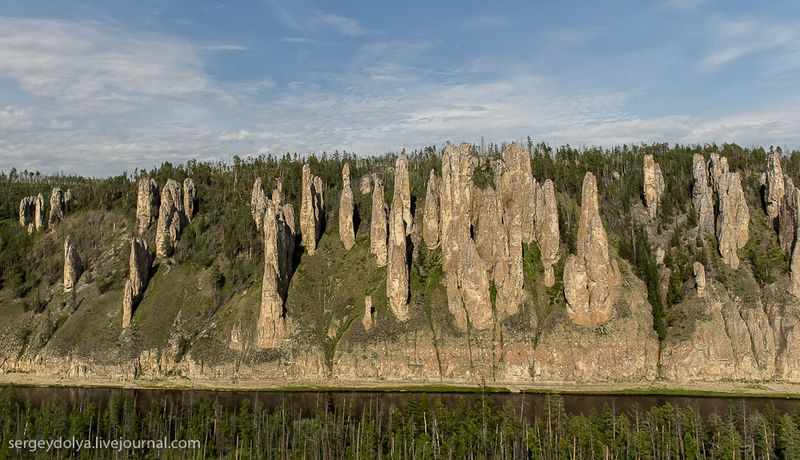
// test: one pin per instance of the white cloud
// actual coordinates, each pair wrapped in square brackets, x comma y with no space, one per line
[732,40]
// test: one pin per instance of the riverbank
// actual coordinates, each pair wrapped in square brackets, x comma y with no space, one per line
[699,389]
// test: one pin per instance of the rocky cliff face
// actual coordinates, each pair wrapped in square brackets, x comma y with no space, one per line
[702,195]
[653,185]
[717,166]
[699,279]
[516,186]
[346,232]
[311,210]
[258,203]
[402,189]
[467,279]
[57,206]
[397,261]
[189,199]
[26,207]
[774,186]
[171,219]
[591,276]
[378,231]
[369,314]
[278,249]
[430,215]
[794,267]
[734,218]
[787,217]
[146,204]
[72,265]
[548,235]
[365,185]
[140,262]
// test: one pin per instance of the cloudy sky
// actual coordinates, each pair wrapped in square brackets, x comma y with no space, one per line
[101,87]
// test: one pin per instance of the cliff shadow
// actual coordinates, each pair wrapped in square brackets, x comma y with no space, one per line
[356,220]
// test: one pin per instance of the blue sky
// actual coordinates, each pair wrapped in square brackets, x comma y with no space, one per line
[101,87]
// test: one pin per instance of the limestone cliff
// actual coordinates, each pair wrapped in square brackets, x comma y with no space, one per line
[72,265]
[402,189]
[146,204]
[786,221]
[189,198]
[653,185]
[140,263]
[56,207]
[397,262]
[430,216]
[311,210]
[258,203]
[591,276]
[378,231]
[702,195]
[548,235]
[346,232]
[467,279]
[278,239]
[734,218]
[773,184]
[171,219]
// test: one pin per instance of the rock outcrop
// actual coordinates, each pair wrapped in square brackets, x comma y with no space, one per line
[402,189]
[139,264]
[365,185]
[26,207]
[702,195]
[346,232]
[56,207]
[378,224]
[189,199]
[467,279]
[38,212]
[699,278]
[72,265]
[311,210]
[397,262]
[653,185]
[734,218]
[548,235]
[258,203]
[717,166]
[171,219]
[368,319]
[774,184]
[278,249]
[794,265]
[516,187]
[786,221]
[430,214]
[146,204]
[591,276]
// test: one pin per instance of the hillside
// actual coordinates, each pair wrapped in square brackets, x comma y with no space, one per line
[517,265]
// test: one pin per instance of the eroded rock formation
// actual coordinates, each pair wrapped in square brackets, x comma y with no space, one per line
[26,207]
[702,195]
[699,278]
[402,189]
[591,276]
[38,212]
[378,224]
[369,314]
[189,199]
[734,218]
[258,203]
[786,221]
[397,262]
[516,186]
[171,218]
[774,184]
[548,235]
[278,249]
[467,279]
[311,210]
[56,207]
[653,185]
[72,264]
[346,232]
[717,166]
[365,185]
[430,215]
[146,204]
[139,264]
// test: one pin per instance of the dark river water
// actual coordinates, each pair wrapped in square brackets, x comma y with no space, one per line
[527,405]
